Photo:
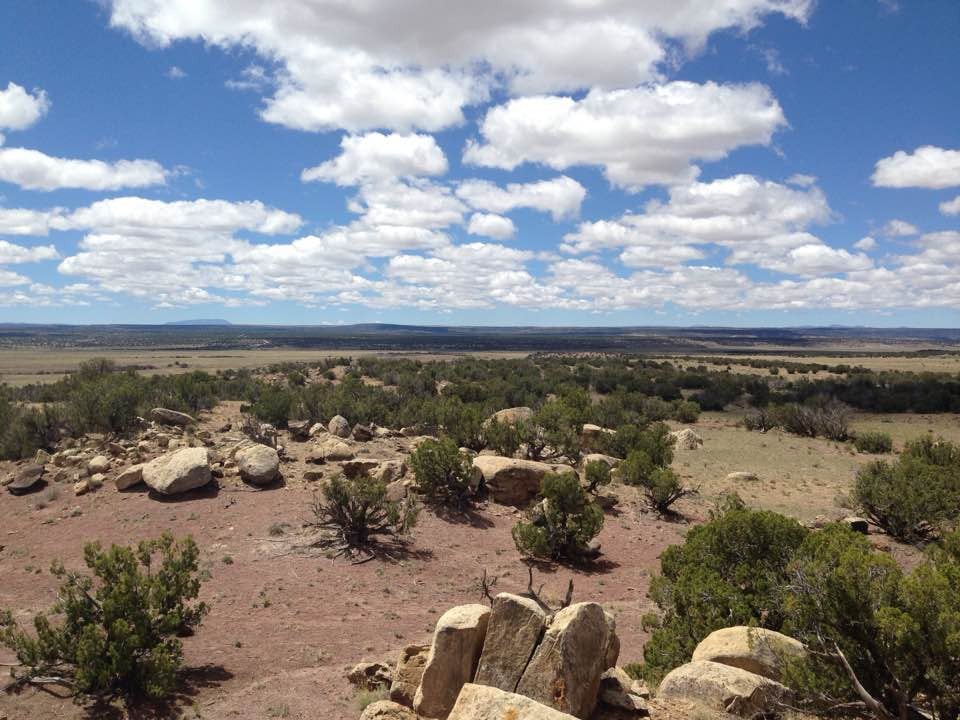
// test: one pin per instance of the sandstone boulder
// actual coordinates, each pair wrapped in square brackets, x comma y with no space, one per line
[408,673]
[686,439]
[592,437]
[133,475]
[258,464]
[723,687]
[178,472]
[510,481]
[335,450]
[299,429]
[617,690]
[480,702]
[565,669]
[387,710]
[755,650]
[362,467]
[741,476]
[25,479]
[98,464]
[362,433]
[511,416]
[171,417]
[610,460]
[858,524]
[339,426]
[370,675]
[390,470]
[454,654]
[513,633]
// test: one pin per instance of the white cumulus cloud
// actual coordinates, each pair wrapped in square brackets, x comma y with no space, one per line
[376,156]
[926,167]
[20,109]
[34,170]
[561,197]
[951,207]
[493,226]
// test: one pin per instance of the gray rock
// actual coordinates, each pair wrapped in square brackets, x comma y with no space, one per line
[514,630]
[258,464]
[339,426]
[25,479]
[178,472]
[171,417]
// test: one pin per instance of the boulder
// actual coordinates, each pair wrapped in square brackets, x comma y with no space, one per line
[565,669]
[480,702]
[370,675]
[339,426]
[511,416]
[81,487]
[723,687]
[313,475]
[741,476]
[617,690]
[599,457]
[390,470]
[387,710]
[513,633]
[42,457]
[258,464]
[510,481]
[171,417]
[592,437]
[452,660]
[178,472]
[359,468]
[408,673]
[334,450]
[133,475]
[686,439]
[25,479]
[316,429]
[362,433]
[96,481]
[858,524]
[98,464]
[755,650]
[299,429]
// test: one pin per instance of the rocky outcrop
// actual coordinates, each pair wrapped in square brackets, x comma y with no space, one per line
[686,439]
[258,464]
[755,650]
[339,426]
[511,416]
[510,481]
[577,647]
[454,654]
[408,673]
[514,631]
[178,472]
[479,702]
[387,710]
[592,437]
[370,675]
[723,687]
[171,417]
[619,690]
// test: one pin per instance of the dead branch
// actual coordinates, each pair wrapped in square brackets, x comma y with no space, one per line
[485,585]
[871,702]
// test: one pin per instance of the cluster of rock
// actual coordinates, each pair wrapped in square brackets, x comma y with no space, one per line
[515,659]
[736,670]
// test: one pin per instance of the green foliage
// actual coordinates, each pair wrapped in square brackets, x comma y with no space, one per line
[729,571]
[877,443]
[686,411]
[916,496]
[597,474]
[900,633]
[637,469]
[23,431]
[359,511]
[563,524]
[443,473]
[663,488]
[503,437]
[119,627]
[274,405]
[654,440]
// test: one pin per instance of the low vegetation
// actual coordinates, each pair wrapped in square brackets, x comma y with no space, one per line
[876,443]
[118,629]
[562,524]
[444,474]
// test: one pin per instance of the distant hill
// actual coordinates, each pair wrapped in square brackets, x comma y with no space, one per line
[200,321]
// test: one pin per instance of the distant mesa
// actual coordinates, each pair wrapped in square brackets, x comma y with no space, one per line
[200,321]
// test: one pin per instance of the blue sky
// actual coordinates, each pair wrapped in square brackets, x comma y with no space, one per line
[738,162]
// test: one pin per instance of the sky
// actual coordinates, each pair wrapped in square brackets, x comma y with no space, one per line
[550,162]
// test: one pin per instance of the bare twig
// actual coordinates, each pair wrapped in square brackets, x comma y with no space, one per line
[871,702]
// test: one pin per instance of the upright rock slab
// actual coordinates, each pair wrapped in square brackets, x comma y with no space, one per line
[565,670]
[480,702]
[178,472]
[513,633]
[454,654]
[408,673]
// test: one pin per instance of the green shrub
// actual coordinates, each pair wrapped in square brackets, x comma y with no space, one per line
[443,473]
[686,411]
[597,474]
[877,443]
[118,630]
[23,431]
[636,469]
[663,488]
[502,437]
[274,405]
[899,633]
[358,511]
[730,571]
[562,526]
[654,440]
[916,496]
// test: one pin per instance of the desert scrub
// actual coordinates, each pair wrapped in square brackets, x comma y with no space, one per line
[443,473]
[597,475]
[562,525]
[877,443]
[916,496]
[119,628]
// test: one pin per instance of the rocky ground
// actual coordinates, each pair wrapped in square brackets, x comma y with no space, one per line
[287,622]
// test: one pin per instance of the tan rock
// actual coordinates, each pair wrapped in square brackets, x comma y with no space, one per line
[599,457]
[178,471]
[723,687]
[686,439]
[334,450]
[741,476]
[258,464]
[565,670]
[510,481]
[616,690]
[370,675]
[408,673]
[452,661]
[755,650]
[133,475]
[339,426]
[387,710]
[171,417]
[98,464]
[480,702]
[513,633]
[511,416]
[592,437]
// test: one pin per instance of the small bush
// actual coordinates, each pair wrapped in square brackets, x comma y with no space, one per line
[443,473]
[358,511]
[119,628]
[686,411]
[663,488]
[563,524]
[597,474]
[655,440]
[817,418]
[502,437]
[876,443]
[636,469]
[916,496]
[274,406]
